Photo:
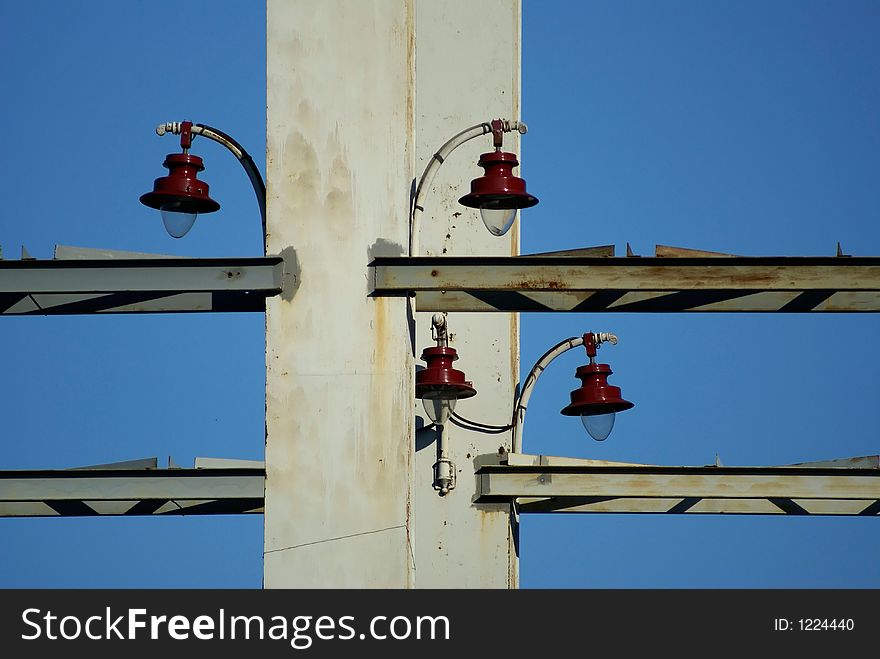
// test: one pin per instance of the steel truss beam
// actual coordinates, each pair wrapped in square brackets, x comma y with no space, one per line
[563,485]
[121,491]
[141,285]
[633,284]
[538,484]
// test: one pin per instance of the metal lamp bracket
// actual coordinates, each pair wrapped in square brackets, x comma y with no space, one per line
[444,475]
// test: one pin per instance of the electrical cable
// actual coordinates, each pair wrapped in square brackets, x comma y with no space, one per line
[486,431]
[478,424]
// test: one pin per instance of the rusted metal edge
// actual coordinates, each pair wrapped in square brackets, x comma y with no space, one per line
[633,284]
[707,470]
[596,251]
[668,251]
[543,461]
[627,274]
[550,260]
[644,489]
[628,301]
[591,488]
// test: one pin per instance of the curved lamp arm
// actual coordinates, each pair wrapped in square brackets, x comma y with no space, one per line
[522,402]
[238,151]
[437,159]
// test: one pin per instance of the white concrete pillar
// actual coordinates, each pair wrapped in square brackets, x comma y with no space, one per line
[467,71]
[339,365]
[360,94]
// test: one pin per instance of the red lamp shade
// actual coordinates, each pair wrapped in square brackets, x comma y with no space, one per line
[595,396]
[181,191]
[498,188]
[438,380]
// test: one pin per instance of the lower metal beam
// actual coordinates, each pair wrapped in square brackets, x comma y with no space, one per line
[592,487]
[89,492]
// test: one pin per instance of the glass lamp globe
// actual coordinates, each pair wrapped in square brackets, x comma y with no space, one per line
[598,426]
[177,224]
[439,409]
[498,220]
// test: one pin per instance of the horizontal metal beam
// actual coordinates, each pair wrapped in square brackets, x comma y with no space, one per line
[108,491]
[149,285]
[633,284]
[593,487]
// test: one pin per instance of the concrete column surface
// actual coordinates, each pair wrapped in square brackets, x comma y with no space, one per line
[360,95]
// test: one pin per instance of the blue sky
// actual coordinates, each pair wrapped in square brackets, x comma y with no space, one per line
[748,128]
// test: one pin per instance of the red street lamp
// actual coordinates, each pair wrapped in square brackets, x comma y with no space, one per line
[596,402]
[439,385]
[180,196]
[497,193]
